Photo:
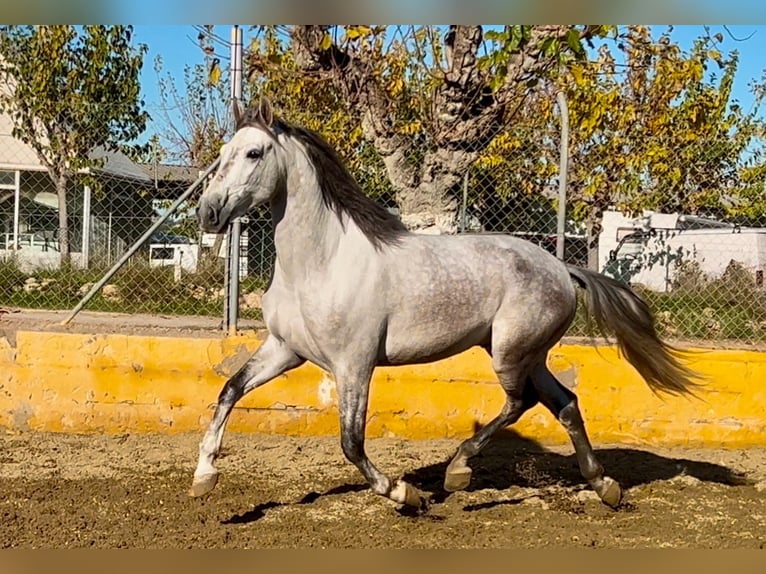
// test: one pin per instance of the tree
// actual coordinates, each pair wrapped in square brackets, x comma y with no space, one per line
[661,133]
[429,103]
[202,113]
[651,128]
[69,93]
[311,101]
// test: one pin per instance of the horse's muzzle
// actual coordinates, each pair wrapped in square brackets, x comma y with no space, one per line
[209,215]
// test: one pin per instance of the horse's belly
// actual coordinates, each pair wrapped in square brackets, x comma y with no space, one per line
[427,343]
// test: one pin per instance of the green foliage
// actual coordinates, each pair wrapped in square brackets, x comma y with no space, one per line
[701,308]
[71,92]
[660,131]
[139,289]
[311,100]
[665,135]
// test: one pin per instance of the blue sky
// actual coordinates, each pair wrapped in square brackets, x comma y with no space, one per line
[177,46]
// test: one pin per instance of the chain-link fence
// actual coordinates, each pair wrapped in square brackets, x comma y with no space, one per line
[702,272]
[177,271]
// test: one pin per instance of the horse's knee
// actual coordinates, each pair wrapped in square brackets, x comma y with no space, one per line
[232,390]
[570,415]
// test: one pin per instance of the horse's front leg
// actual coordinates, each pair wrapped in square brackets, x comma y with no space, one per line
[353,386]
[270,360]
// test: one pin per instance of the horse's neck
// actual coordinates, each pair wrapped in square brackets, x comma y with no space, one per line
[306,232]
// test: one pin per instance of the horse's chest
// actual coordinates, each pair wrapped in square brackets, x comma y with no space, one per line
[285,318]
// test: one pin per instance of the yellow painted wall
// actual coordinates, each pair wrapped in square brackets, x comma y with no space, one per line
[119,383]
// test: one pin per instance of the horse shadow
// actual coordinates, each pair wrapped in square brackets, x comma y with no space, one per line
[259,511]
[510,459]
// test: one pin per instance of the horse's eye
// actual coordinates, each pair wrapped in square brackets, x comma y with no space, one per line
[254,153]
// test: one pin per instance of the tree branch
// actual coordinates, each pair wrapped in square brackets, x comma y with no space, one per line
[363,91]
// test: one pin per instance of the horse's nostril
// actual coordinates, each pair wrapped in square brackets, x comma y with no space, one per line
[207,214]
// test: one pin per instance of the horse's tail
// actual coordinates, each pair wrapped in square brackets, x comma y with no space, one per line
[620,311]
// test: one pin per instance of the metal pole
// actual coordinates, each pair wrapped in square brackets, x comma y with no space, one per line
[135,247]
[109,237]
[464,207]
[86,207]
[563,168]
[16,208]
[235,228]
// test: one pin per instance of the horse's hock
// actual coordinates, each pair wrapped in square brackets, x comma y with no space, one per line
[118,383]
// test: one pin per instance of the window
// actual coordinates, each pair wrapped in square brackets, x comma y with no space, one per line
[7,179]
[162,253]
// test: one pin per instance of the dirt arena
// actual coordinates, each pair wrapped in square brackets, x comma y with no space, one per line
[63,491]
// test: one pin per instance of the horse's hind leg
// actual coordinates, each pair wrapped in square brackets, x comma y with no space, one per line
[270,360]
[520,397]
[563,404]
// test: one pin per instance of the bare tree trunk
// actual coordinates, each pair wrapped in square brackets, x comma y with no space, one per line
[62,182]
[431,206]
[466,113]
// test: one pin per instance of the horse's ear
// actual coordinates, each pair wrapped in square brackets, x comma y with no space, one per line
[265,112]
[237,111]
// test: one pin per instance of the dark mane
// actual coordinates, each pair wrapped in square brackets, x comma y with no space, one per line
[340,191]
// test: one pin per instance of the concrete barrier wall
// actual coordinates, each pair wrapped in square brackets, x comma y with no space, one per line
[113,383]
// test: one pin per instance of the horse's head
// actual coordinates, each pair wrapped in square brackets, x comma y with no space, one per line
[249,174]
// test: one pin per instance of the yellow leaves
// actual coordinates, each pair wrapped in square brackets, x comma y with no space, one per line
[356,133]
[410,128]
[490,161]
[504,143]
[353,32]
[214,74]
[500,151]
[326,41]
[577,74]
[696,70]
[396,86]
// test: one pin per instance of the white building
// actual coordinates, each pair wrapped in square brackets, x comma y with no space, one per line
[648,250]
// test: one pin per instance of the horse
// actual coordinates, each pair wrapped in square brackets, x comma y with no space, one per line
[353,289]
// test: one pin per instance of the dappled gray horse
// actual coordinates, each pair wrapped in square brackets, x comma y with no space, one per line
[352,289]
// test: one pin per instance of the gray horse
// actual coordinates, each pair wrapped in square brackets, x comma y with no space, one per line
[352,289]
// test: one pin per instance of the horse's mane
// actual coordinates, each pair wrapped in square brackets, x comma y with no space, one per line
[340,191]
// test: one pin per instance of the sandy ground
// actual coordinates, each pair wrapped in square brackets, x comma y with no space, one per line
[63,491]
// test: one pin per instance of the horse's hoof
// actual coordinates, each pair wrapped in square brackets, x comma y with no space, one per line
[415,498]
[406,494]
[203,484]
[609,491]
[457,478]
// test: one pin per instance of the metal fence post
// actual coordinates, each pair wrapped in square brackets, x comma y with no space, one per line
[231,286]
[563,168]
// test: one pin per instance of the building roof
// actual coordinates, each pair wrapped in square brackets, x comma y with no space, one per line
[119,165]
[163,172]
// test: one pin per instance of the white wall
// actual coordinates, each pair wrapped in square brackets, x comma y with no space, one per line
[712,249]
[30,260]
